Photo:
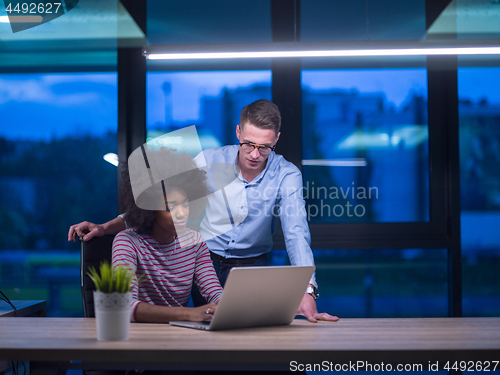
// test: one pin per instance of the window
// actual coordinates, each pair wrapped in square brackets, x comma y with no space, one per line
[210,100]
[479,111]
[365,145]
[56,130]
[379,283]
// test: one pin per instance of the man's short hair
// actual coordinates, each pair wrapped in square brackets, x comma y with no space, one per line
[262,114]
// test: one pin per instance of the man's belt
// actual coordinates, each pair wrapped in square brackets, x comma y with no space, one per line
[237,260]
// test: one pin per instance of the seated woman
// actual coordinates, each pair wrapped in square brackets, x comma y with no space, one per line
[165,255]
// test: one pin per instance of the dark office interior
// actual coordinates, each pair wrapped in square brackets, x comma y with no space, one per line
[399,154]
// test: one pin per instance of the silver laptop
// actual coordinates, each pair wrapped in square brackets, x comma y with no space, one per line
[256,297]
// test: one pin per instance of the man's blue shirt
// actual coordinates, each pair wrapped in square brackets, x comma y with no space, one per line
[242,216]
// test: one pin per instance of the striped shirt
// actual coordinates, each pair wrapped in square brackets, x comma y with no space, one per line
[166,271]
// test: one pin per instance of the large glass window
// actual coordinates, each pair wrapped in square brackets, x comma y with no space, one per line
[210,100]
[365,145]
[56,129]
[380,283]
[479,111]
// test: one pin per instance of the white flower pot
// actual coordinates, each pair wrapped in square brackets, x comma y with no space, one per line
[112,314]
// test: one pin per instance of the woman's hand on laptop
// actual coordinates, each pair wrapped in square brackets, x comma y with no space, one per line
[309,309]
[201,313]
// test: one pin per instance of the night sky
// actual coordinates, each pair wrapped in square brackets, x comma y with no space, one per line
[46,106]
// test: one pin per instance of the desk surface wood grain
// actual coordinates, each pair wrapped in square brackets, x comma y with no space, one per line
[390,340]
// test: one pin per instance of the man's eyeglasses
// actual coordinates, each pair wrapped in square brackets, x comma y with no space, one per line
[249,147]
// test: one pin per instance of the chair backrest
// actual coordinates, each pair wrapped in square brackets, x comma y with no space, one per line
[92,253]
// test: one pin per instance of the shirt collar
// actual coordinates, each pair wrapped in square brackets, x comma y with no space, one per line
[260,176]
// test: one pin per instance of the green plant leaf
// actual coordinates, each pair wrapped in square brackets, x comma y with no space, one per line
[111,279]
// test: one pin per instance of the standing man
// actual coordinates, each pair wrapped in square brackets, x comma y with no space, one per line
[242,217]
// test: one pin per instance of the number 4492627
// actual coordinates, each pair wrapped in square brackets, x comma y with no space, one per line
[34,8]
[471,365]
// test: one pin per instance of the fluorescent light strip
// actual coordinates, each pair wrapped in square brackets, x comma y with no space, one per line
[332,53]
[335,162]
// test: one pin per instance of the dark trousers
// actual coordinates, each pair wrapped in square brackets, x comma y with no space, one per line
[222,267]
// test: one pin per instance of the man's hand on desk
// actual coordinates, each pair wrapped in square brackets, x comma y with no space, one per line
[308,309]
[86,230]
[90,230]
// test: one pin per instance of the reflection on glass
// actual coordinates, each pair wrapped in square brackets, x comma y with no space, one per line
[325,20]
[200,21]
[365,145]
[210,100]
[463,19]
[479,121]
[56,129]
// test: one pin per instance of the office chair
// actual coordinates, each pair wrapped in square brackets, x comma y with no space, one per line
[92,253]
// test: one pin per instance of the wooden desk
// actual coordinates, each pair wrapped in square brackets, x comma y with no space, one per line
[24,308]
[161,346]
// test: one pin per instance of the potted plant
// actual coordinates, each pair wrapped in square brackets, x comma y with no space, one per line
[112,301]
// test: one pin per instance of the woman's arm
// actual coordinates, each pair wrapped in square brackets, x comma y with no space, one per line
[209,285]
[88,230]
[125,252]
[205,277]
[145,312]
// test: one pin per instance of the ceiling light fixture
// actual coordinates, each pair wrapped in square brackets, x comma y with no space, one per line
[111,158]
[333,49]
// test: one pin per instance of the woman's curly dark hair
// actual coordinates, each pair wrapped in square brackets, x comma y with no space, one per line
[186,177]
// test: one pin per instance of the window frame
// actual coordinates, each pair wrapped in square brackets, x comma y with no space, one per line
[443,229]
